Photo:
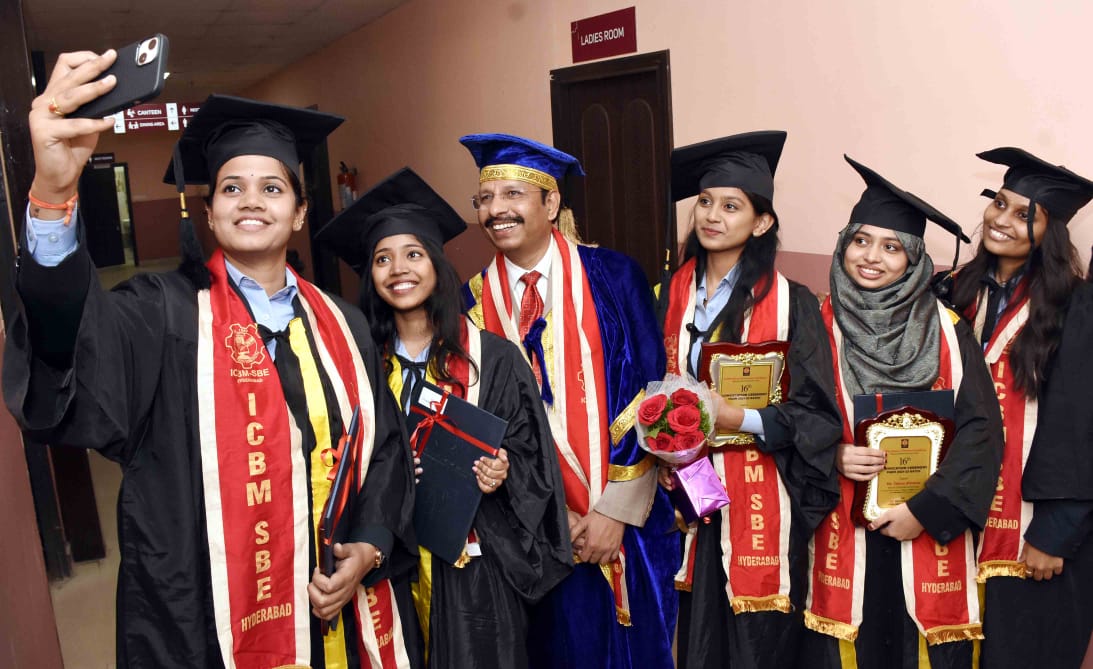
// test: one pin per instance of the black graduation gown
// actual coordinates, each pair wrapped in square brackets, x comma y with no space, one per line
[116,371]
[801,434]
[1025,620]
[957,497]
[478,613]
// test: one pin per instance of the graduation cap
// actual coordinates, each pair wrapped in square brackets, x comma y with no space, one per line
[885,205]
[225,127]
[501,156]
[1059,190]
[746,161]
[400,204]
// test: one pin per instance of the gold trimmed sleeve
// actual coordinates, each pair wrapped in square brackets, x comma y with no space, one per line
[625,420]
[629,473]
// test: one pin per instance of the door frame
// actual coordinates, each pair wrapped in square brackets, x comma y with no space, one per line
[132,221]
[658,62]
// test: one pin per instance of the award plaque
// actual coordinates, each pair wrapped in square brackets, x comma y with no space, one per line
[749,376]
[914,441]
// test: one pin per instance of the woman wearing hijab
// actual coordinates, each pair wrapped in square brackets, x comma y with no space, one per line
[1031,312]
[474,612]
[221,390]
[900,592]
[743,573]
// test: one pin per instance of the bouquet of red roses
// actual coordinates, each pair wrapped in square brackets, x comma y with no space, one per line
[673,423]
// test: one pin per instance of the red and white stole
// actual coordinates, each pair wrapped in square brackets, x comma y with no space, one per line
[937,580]
[1004,535]
[256,487]
[755,526]
[578,418]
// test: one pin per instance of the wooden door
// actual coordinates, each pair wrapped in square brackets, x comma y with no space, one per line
[616,117]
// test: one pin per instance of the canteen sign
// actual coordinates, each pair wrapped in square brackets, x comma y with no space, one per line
[167,116]
[605,35]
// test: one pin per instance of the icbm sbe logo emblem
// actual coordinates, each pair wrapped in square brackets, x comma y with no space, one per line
[245,345]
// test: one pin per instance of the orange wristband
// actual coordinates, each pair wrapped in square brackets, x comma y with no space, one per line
[67,207]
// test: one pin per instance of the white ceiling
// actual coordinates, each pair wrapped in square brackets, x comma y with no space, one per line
[215,45]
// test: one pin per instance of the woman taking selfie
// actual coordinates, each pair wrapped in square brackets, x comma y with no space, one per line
[473,613]
[219,389]
[900,592]
[1023,292]
[743,574]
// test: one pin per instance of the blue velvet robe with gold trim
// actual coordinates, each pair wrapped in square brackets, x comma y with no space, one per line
[575,625]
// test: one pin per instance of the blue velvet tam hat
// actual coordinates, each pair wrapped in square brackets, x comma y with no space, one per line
[501,156]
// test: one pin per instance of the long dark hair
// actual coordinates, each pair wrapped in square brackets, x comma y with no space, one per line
[1052,272]
[756,265]
[443,309]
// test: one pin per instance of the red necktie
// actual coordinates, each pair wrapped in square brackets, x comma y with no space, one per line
[531,310]
[531,304]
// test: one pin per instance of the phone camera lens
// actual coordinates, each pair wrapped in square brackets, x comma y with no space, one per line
[143,57]
[152,43]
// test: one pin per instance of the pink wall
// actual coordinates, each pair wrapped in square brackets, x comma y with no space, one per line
[913,90]
[26,611]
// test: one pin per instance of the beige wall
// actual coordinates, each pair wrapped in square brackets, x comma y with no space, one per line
[911,89]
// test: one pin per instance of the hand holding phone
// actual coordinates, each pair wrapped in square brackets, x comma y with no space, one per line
[62,145]
[139,68]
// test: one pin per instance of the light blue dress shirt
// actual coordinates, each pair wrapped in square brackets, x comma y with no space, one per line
[706,310]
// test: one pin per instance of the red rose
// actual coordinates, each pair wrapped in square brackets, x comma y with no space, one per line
[684,398]
[664,441]
[686,440]
[652,409]
[684,419]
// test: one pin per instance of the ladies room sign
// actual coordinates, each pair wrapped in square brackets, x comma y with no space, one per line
[605,35]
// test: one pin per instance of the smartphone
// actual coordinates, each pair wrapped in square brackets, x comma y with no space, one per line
[140,68]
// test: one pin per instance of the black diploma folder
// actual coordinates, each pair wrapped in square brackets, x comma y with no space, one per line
[449,434]
[939,402]
[334,520]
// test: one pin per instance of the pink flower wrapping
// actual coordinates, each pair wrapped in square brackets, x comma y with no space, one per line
[697,490]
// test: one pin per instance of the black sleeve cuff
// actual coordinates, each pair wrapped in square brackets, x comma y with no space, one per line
[775,434]
[377,535]
[382,539]
[1059,527]
[942,521]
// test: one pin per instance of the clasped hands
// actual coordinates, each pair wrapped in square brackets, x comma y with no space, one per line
[596,538]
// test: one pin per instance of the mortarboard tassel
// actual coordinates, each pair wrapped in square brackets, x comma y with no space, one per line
[192,265]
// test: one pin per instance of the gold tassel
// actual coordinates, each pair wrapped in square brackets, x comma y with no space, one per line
[839,630]
[683,586]
[950,633]
[992,568]
[464,558]
[756,604]
[623,616]
[568,226]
